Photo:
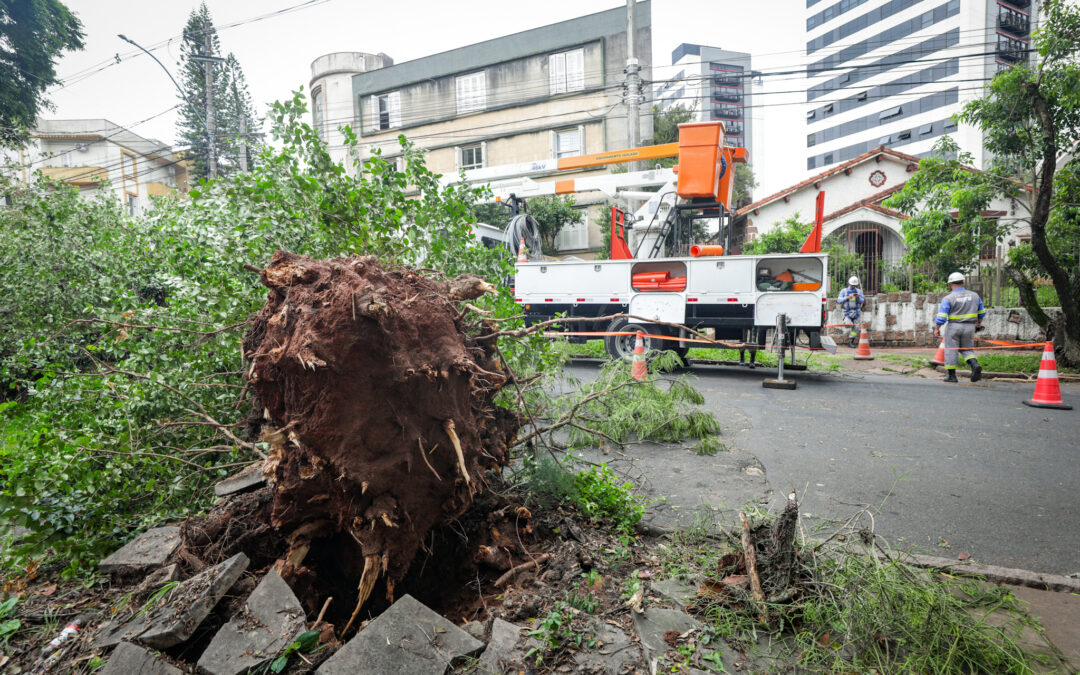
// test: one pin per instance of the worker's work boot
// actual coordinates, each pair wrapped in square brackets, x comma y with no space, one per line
[951,377]
[976,369]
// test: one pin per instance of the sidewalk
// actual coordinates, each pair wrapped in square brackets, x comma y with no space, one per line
[1059,614]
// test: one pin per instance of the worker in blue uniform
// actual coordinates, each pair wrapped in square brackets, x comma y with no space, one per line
[961,313]
[851,302]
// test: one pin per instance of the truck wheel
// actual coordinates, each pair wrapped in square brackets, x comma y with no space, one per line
[622,346]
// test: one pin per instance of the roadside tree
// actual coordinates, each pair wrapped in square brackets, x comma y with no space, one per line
[1030,119]
[33,34]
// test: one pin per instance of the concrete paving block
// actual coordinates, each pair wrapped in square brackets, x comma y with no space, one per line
[181,610]
[655,622]
[407,638]
[1059,614]
[249,478]
[501,653]
[678,592]
[270,620]
[147,551]
[129,659]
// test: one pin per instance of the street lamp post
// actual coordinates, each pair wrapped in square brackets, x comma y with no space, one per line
[209,134]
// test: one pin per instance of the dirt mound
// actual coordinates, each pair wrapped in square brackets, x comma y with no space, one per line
[376,401]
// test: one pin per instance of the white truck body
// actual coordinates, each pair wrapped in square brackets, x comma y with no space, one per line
[724,293]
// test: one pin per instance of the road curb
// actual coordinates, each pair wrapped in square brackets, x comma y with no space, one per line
[1003,575]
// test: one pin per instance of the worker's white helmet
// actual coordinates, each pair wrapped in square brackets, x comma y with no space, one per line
[853,281]
[956,278]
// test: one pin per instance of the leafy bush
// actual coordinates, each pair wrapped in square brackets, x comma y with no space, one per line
[600,495]
[120,361]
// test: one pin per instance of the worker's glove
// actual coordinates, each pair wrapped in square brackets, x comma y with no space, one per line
[979,329]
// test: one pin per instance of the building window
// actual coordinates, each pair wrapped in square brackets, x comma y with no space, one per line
[988,251]
[568,142]
[890,113]
[566,71]
[386,111]
[471,156]
[317,108]
[132,204]
[574,237]
[471,93]
[926,129]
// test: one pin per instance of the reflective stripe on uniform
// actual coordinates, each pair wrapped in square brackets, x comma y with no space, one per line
[957,317]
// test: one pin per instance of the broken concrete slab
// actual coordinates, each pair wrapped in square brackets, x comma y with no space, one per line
[146,552]
[249,478]
[656,622]
[614,652]
[129,659]
[407,638]
[179,612]
[270,620]
[502,654]
[675,591]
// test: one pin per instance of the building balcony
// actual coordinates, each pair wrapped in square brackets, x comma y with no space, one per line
[721,112]
[1020,4]
[720,97]
[77,175]
[1011,50]
[1013,22]
[720,81]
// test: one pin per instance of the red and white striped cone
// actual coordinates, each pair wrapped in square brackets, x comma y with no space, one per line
[939,357]
[863,352]
[521,251]
[1047,389]
[640,370]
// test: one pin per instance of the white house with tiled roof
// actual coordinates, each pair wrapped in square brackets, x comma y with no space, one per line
[853,213]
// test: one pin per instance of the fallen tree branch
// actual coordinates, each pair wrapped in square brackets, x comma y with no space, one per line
[136,326]
[510,573]
[522,332]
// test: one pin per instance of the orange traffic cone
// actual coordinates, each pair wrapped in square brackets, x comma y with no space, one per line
[1047,389]
[639,370]
[521,251]
[939,357]
[863,351]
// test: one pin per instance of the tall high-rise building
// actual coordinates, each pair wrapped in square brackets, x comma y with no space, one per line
[894,72]
[715,83]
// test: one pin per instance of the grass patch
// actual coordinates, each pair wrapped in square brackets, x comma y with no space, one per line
[1027,362]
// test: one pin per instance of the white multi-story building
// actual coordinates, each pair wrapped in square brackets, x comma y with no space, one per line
[893,73]
[715,83]
[96,154]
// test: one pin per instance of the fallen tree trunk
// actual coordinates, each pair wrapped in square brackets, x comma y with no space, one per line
[376,402]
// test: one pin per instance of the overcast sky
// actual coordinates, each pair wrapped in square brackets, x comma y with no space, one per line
[276,52]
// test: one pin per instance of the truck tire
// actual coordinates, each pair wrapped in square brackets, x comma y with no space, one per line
[622,346]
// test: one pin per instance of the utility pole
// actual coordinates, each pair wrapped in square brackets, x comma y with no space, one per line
[211,121]
[632,86]
[243,129]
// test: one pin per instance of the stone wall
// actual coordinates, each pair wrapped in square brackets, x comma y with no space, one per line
[907,319]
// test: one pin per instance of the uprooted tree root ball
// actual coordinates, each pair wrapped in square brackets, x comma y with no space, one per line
[375,397]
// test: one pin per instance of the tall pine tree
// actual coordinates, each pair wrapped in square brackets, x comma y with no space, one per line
[236,127]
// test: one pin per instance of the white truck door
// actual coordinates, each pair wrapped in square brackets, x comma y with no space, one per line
[670,307]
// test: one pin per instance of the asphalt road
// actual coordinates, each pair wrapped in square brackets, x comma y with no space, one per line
[950,469]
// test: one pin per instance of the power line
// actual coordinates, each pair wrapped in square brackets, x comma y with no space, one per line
[94,69]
